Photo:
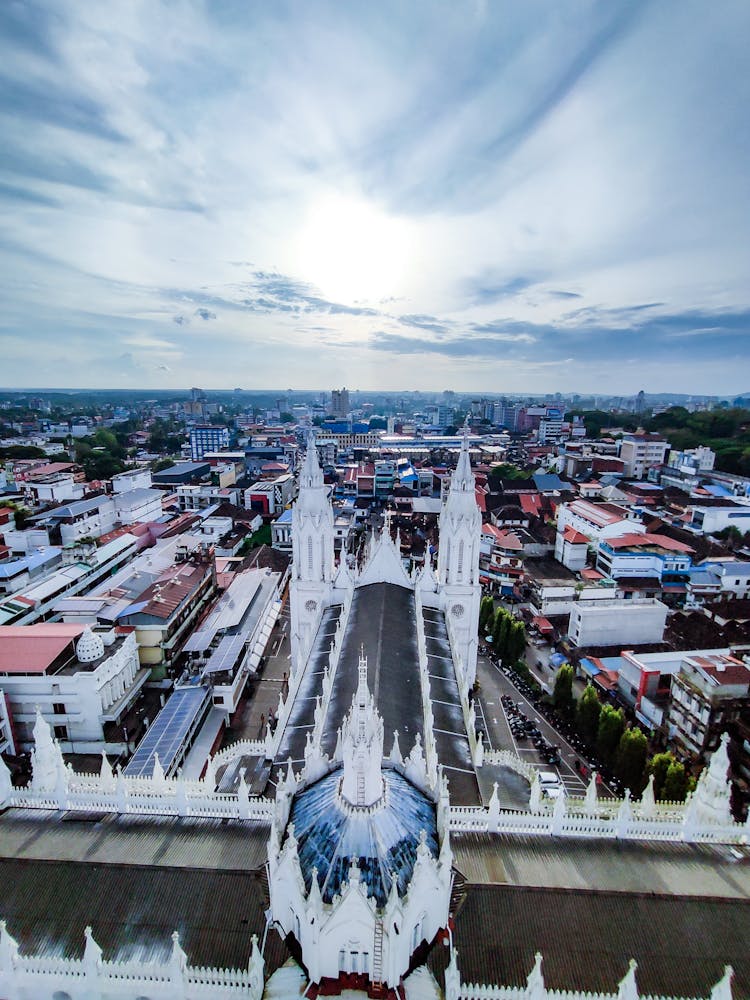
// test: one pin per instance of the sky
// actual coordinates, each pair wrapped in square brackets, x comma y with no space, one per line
[480,196]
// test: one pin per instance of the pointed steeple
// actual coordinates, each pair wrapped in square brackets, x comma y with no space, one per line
[362,746]
[311,476]
[462,480]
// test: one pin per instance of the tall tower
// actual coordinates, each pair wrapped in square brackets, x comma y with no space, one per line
[458,560]
[312,556]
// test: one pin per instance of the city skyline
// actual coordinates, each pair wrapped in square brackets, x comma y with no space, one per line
[483,197]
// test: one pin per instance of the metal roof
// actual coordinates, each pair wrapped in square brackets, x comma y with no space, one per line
[587,938]
[133,910]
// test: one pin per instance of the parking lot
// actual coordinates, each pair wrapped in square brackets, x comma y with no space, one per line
[511,721]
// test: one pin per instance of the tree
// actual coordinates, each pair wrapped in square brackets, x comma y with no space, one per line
[587,714]
[562,696]
[486,615]
[162,463]
[516,644]
[676,784]
[658,766]
[630,759]
[500,629]
[378,424]
[286,418]
[610,729]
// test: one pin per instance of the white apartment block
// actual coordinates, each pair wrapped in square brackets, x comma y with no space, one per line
[80,680]
[713,518]
[640,451]
[597,521]
[138,505]
[617,623]
[131,479]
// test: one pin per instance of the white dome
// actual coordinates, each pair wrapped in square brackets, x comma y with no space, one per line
[90,647]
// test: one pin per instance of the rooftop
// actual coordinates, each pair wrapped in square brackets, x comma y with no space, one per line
[382,841]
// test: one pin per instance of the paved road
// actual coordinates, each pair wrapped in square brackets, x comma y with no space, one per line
[494,684]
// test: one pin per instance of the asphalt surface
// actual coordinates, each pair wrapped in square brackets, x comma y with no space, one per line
[490,711]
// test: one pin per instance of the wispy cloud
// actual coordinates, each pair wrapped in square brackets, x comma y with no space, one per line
[159,162]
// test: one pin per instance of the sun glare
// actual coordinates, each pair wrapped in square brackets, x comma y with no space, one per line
[352,251]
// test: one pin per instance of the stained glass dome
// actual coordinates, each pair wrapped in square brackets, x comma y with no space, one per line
[382,840]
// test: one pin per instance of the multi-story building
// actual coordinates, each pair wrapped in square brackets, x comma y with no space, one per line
[645,555]
[612,623]
[138,505]
[207,438]
[131,479]
[164,614]
[596,521]
[84,566]
[709,518]
[500,559]
[641,451]
[340,402]
[78,679]
[270,496]
[89,518]
[708,693]
[349,435]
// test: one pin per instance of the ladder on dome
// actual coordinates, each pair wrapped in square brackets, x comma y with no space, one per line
[377,958]
[360,789]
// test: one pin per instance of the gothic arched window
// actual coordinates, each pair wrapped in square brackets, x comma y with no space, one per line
[460,573]
[309,554]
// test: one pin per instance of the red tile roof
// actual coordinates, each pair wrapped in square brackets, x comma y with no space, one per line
[634,541]
[31,649]
[575,537]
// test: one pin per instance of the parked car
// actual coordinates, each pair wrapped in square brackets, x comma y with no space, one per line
[552,787]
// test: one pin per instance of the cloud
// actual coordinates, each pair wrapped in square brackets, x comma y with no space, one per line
[159,165]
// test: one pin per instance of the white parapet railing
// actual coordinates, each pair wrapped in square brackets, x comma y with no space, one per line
[27,977]
[618,819]
[535,988]
[511,760]
[56,786]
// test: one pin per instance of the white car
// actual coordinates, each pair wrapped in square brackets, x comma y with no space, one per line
[551,785]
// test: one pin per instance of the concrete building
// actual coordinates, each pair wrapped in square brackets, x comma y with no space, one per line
[616,623]
[645,555]
[572,548]
[270,497]
[131,479]
[708,694]
[207,438]
[710,518]
[84,567]
[182,474]
[80,680]
[138,505]
[88,518]
[500,559]
[165,612]
[340,402]
[596,521]
[642,451]
[281,532]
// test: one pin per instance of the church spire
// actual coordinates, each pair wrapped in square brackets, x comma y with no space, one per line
[311,476]
[362,746]
[462,480]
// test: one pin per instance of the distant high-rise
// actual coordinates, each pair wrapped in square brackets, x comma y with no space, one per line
[640,402]
[340,402]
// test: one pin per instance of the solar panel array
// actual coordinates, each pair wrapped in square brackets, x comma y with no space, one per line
[225,655]
[168,732]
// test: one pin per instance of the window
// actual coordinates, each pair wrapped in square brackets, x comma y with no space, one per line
[58,708]
[61,732]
